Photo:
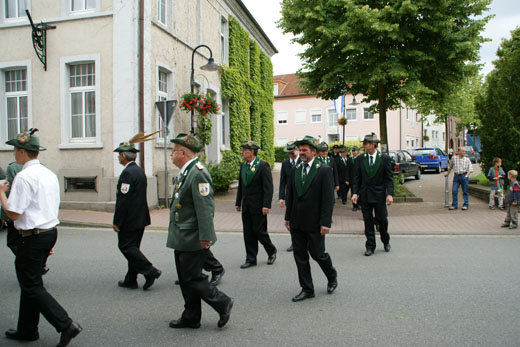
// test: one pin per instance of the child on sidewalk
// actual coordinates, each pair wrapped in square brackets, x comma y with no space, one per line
[496,177]
[511,200]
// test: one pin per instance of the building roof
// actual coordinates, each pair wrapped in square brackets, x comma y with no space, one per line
[288,85]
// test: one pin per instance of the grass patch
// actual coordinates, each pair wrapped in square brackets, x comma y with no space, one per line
[400,191]
[482,179]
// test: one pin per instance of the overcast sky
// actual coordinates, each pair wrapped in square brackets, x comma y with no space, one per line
[267,12]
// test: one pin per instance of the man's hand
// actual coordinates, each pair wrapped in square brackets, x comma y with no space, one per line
[337,188]
[205,244]
[237,208]
[389,200]
[354,198]
[447,173]
[265,211]
[4,187]
[116,229]
[496,178]
[514,203]
[282,203]
[324,230]
[288,225]
[347,183]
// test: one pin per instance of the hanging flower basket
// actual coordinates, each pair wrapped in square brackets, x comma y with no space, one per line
[203,105]
[342,121]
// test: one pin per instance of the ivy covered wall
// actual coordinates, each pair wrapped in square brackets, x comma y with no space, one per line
[248,84]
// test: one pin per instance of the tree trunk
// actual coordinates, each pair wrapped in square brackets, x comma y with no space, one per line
[381,91]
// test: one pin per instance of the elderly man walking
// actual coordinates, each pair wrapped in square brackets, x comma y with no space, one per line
[462,167]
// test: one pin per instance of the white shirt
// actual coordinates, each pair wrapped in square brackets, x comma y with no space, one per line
[374,156]
[185,166]
[308,167]
[35,195]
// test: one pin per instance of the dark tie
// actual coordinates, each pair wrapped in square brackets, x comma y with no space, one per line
[248,167]
[292,163]
[371,160]
[304,173]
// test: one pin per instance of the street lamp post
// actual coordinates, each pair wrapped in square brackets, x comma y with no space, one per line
[210,66]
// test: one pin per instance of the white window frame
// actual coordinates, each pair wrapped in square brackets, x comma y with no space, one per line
[349,111]
[67,142]
[281,141]
[158,5]
[19,17]
[160,96]
[366,111]
[14,65]
[334,122]
[407,115]
[224,40]
[284,113]
[275,89]
[224,131]
[300,112]
[84,7]
[315,112]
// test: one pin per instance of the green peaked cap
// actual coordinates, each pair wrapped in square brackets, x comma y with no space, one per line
[290,146]
[27,140]
[126,147]
[372,138]
[188,141]
[308,140]
[249,144]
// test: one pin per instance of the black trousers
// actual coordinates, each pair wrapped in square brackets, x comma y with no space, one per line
[34,299]
[380,218]
[343,191]
[195,285]
[255,230]
[312,243]
[129,242]
[13,237]
[212,264]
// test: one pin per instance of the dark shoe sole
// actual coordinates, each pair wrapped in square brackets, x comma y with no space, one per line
[127,285]
[150,282]
[247,265]
[223,320]
[12,334]
[308,296]
[173,324]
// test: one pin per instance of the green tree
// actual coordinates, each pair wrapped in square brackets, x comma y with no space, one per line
[386,50]
[499,107]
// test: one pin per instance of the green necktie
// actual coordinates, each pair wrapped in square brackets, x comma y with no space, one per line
[304,173]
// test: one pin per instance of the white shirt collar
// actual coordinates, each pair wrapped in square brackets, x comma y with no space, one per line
[30,163]
[310,163]
[186,165]
[128,164]
[252,161]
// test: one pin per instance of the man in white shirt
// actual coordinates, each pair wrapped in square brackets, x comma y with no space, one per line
[33,205]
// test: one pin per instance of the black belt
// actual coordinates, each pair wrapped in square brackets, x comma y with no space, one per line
[464,173]
[31,232]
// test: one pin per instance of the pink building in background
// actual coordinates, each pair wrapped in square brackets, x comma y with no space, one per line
[298,114]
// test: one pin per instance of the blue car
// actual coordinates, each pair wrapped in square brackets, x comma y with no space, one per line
[432,158]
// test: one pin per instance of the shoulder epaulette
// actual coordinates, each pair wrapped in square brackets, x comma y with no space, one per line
[199,166]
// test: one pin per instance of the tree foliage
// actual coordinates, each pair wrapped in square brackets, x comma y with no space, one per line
[499,107]
[387,50]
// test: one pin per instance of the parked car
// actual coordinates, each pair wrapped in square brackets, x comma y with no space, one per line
[432,158]
[473,155]
[403,163]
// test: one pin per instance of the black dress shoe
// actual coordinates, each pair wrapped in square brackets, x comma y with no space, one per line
[180,323]
[387,247]
[302,296]
[290,249]
[332,285]
[68,334]
[45,269]
[271,259]
[505,225]
[247,264]
[151,279]
[344,202]
[129,285]
[224,316]
[15,335]
[369,252]
[177,282]
[216,277]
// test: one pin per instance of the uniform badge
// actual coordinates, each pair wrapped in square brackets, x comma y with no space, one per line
[177,187]
[125,187]
[253,169]
[178,206]
[176,217]
[204,189]
[176,195]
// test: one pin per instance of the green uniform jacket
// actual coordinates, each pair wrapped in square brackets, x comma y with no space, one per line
[12,170]
[192,210]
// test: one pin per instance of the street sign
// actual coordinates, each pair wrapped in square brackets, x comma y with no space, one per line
[166,107]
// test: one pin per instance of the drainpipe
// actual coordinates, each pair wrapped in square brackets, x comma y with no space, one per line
[400,127]
[141,77]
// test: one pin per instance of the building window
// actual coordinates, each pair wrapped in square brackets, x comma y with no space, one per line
[425,132]
[15,8]
[82,5]
[367,115]
[350,113]
[82,100]
[225,123]
[275,89]
[281,141]
[315,116]
[282,117]
[80,184]
[443,136]
[407,115]
[162,95]
[224,42]
[16,102]
[300,117]
[332,118]
[407,142]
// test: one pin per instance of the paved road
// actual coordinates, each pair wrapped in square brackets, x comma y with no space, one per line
[431,290]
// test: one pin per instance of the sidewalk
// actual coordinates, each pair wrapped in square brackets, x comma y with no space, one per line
[428,217]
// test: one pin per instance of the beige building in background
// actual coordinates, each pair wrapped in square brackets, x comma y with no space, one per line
[104,74]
